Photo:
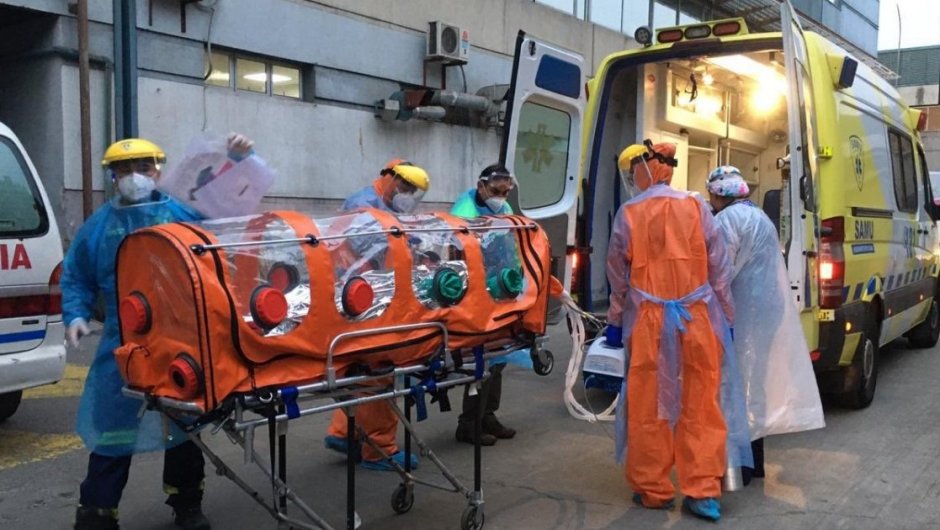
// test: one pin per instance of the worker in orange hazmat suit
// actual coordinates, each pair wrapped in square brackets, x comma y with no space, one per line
[398,189]
[670,306]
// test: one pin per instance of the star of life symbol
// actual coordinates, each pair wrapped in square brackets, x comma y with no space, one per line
[538,148]
[856,147]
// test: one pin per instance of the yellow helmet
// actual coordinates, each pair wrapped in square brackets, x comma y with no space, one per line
[414,175]
[132,149]
[629,154]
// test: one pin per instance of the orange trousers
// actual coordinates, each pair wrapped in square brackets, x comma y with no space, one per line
[696,446]
[379,422]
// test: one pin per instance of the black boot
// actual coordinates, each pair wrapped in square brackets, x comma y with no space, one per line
[465,434]
[492,426]
[91,518]
[187,511]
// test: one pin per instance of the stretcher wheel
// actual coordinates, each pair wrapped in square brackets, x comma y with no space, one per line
[472,518]
[543,361]
[403,498]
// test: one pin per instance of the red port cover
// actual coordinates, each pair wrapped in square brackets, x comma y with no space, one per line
[269,306]
[135,313]
[184,376]
[357,296]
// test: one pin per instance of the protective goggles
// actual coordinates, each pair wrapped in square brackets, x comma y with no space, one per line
[144,166]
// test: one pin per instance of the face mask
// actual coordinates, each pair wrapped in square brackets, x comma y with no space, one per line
[404,202]
[136,187]
[495,204]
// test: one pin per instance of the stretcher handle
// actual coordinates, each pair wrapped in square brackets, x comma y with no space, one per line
[331,370]
[395,231]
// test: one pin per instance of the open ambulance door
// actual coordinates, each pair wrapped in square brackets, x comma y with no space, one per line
[542,141]
[799,220]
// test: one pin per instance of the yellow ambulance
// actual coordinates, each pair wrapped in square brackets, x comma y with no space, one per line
[828,147]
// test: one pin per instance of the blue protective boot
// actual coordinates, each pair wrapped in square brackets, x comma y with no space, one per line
[709,508]
[384,465]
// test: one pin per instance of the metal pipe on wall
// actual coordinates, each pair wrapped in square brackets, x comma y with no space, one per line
[84,107]
[125,68]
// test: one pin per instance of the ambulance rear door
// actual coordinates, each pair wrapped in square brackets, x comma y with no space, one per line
[799,218]
[542,141]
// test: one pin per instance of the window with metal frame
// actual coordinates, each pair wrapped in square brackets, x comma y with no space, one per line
[541,161]
[254,74]
[903,171]
[21,210]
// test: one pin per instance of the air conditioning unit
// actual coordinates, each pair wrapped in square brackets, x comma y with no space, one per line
[448,44]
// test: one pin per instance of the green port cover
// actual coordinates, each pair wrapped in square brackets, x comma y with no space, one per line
[448,287]
[511,281]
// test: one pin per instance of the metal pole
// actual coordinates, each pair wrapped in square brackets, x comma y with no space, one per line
[125,68]
[84,106]
[130,77]
[678,10]
[897,80]
[652,6]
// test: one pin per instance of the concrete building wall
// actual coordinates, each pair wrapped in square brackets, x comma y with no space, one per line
[921,95]
[352,53]
[932,149]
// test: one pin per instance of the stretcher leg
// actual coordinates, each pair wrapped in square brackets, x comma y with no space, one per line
[224,470]
[403,498]
[351,517]
[282,459]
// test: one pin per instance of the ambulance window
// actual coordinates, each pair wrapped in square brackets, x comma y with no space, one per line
[21,210]
[905,176]
[541,160]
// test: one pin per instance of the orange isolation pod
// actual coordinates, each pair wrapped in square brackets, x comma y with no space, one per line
[268,306]
[134,311]
[186,376]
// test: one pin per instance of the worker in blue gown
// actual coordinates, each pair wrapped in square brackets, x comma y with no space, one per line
[109,423]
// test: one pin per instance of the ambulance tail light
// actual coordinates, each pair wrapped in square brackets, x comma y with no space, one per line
[831,262]
[36,304]
[732,27]
[55,292]
[669,35]
[922,122]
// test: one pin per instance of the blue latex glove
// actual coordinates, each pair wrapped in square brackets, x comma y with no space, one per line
[614,336]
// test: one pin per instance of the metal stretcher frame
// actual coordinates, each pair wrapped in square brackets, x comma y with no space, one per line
[279,406]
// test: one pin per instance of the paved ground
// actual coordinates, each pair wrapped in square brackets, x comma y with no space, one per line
[877,468]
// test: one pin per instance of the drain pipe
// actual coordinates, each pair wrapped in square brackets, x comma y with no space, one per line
[462,100]
[85,107]
[404,105]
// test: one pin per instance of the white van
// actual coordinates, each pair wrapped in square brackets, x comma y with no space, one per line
[32,337]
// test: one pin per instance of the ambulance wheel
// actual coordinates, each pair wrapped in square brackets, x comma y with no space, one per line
[403,499]
[543,361]
[472,518]
[9,402]
[925,334]
[862,375]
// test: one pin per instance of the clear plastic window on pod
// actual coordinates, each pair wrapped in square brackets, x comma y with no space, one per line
[270,281]
[502,263]
[365,278]
[439,270]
